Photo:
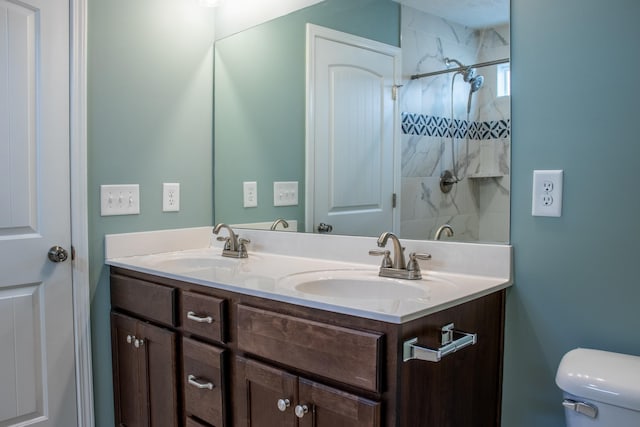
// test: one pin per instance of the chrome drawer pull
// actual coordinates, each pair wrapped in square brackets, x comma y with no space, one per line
[193,380]
[413,351]
[193,316]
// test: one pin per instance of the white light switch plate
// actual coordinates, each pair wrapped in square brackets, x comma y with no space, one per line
[285,193]
[119,199]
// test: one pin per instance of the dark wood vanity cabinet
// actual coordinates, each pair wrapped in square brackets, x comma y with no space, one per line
[144,362]
[233,360]
[268,396]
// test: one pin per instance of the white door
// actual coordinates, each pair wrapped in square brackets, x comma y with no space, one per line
[351,132]
[37,366]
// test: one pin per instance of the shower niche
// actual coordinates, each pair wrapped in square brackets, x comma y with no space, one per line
[456,128]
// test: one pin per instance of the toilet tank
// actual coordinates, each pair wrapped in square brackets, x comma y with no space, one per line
[601,389]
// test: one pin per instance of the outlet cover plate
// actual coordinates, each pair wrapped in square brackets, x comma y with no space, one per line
[119,199]
[250,194]
[547,193]
[170,197]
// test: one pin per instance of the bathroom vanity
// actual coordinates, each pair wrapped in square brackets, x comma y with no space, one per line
[246,350]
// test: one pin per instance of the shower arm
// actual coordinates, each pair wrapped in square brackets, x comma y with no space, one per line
[460,69]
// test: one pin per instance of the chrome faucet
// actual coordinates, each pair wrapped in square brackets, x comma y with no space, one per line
[444,228]
[282,221]
[398,250]
[398,268]
[234,246]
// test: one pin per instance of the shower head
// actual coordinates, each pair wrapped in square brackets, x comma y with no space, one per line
[476,83]
[469,74]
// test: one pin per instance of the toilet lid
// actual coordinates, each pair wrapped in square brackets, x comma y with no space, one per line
[601,376]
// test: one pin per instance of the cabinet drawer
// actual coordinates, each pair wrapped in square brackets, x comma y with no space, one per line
[346,355]
[202,315]
[203,379]
[145,299]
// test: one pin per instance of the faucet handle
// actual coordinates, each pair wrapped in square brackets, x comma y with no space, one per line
[226,240]
[242,247]
[413,265]
[386,261]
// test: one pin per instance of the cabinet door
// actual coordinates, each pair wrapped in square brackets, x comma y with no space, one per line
[158,365]
[144,372]
[329,407]
[266,396]
[129,393]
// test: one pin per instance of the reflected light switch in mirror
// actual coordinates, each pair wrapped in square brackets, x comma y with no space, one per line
[285,193]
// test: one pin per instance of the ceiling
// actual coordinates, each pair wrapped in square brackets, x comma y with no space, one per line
[471,13]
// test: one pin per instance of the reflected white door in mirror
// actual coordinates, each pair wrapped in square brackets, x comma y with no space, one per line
[351,132]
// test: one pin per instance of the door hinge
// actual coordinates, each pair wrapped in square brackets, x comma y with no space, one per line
[394,91]
[394,200]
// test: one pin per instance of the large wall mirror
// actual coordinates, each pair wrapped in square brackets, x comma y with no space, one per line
[450,119]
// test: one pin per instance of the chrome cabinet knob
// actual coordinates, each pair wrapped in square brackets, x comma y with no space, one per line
[283,404]
[138,343]
[301,410]
[130,339]
[57,254]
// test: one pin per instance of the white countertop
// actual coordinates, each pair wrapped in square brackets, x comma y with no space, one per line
[269,270]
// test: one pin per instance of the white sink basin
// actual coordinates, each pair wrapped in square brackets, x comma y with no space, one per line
[189,262]
[356,284]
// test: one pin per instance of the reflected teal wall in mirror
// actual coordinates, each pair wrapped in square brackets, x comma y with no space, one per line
[262,138]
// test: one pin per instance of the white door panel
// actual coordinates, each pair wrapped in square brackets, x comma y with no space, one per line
[351,135]
[37,369]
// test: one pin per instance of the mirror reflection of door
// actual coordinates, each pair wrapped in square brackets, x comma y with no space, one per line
[351,133]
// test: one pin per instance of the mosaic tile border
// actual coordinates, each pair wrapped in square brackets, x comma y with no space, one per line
[425,125]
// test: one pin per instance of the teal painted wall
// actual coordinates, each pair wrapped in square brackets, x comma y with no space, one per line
[260,102]
[149,122]
[575,98]
[575,107]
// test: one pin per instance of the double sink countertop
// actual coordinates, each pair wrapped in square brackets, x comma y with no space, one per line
[333,273]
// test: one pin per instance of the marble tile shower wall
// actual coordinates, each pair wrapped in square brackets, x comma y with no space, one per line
[478,207]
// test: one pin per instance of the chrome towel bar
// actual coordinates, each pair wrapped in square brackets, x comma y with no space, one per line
[411,350]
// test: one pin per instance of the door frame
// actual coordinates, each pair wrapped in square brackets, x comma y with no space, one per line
[79,209]
[314,31]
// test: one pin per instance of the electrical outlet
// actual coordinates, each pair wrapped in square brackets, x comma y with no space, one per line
[119,199]
[250,194]
[170,197]
[547,193]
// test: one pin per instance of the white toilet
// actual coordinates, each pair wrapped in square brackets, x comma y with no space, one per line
[601,389]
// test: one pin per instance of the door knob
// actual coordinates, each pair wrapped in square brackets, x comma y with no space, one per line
[57,254]
[324,228]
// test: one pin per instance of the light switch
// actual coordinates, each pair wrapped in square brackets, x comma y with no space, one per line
[119,199]
[285,193]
